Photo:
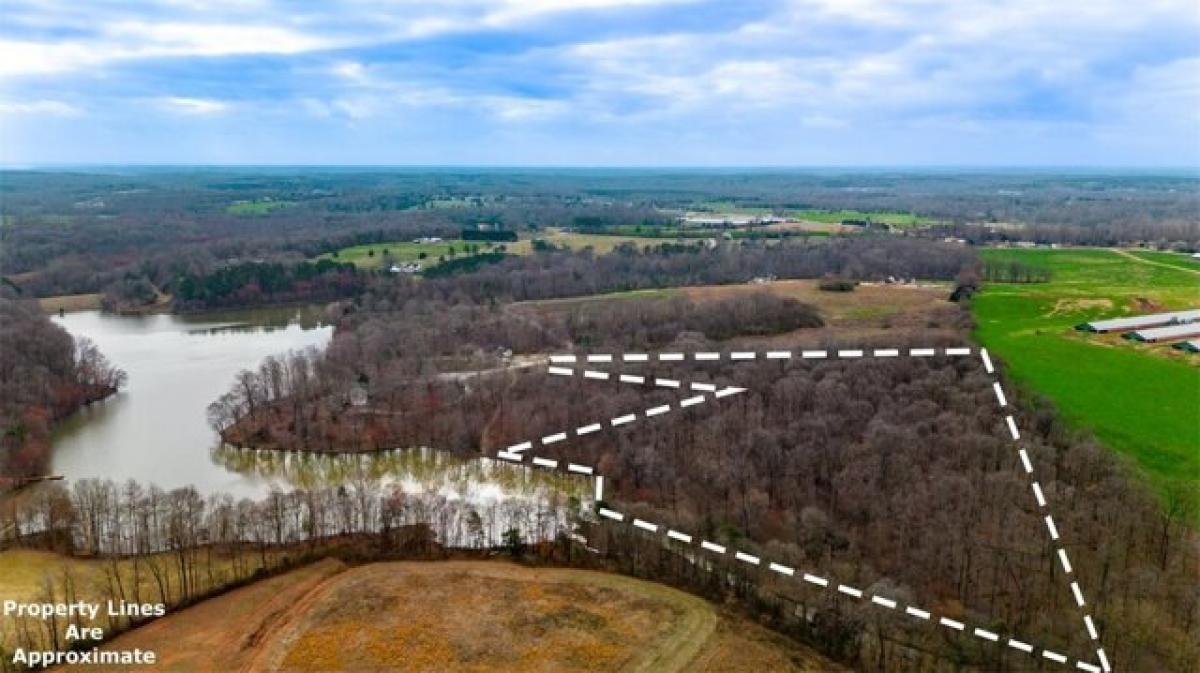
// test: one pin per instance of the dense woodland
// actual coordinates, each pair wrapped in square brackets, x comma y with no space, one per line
[45,375]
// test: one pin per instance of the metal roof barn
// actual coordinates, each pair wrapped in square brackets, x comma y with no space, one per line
[1141,321]
[1192,346]
[1169,333]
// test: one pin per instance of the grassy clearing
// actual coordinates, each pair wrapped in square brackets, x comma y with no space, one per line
[70,302]
[1176,260]
[372,255]
[1138,399]
[257,207]
[893,218]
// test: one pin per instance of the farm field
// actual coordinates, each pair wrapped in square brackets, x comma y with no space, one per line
[371,255]
[895,219]
[873,314]
[1138,399]
[463,616]
[257,207]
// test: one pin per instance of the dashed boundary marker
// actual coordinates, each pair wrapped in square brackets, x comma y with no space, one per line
[710,392]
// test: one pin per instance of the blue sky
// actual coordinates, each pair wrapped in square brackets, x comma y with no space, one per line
[601,82]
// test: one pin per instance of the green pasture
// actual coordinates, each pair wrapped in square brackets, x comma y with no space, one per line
[1142,400]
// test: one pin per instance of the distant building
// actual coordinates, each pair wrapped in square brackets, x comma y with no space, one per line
[407,267]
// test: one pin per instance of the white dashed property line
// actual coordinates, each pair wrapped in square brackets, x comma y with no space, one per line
[615,516]
[885,602]
[645,525]
[586,429]
[916,612]
[1037,493]
[1051,528]
[716,548]
[622,420]
[782,570]
[561,371]
[629,378]
[1066,563]
[746,558]
[999,394]
[956,625]
[545,462]
[599,488]
[592,374]
[666,383]
[1018,645]
[1012,428]
[556,437]
[987,635]
[710,356]
[849,590]
[813,579]
[682,537]
[581,469]
[517,448]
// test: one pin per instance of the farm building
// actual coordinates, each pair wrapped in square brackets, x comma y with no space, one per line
[1168,333]
[1140,322]
[1190,346]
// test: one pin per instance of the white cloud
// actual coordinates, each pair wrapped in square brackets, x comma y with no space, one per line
[52,108]
[193,106]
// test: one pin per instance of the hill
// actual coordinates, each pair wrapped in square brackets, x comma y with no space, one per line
[462,616]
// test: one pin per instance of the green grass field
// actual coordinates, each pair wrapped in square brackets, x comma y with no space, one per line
[371,256]
[258,207]
[1142,400]
[896,219]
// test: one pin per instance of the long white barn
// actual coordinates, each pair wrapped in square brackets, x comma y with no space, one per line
[1168,333]
[1141,322]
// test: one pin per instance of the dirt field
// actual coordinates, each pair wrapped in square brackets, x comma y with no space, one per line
[462,616]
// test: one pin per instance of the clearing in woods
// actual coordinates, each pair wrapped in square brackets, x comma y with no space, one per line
[1138,399]
[463,616]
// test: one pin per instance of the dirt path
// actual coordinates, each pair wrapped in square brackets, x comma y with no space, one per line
[1126,253]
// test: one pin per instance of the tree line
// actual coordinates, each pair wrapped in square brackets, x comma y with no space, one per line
[45,375]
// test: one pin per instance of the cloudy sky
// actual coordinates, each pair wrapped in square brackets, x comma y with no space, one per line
[601,82]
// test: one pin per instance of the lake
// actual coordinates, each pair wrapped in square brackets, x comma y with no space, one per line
[156,429]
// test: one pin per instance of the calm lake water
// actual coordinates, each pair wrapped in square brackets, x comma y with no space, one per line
[156,430]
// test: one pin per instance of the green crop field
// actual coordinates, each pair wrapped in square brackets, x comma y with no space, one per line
[895,219]
[372,255]
[258,207]
[1139,399]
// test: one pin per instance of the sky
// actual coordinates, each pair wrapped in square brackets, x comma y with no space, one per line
[1103,83]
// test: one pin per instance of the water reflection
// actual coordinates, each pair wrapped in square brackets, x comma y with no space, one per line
[417,470]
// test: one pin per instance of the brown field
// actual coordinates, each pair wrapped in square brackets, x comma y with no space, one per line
[462,616]
[873,313]
[70,302]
